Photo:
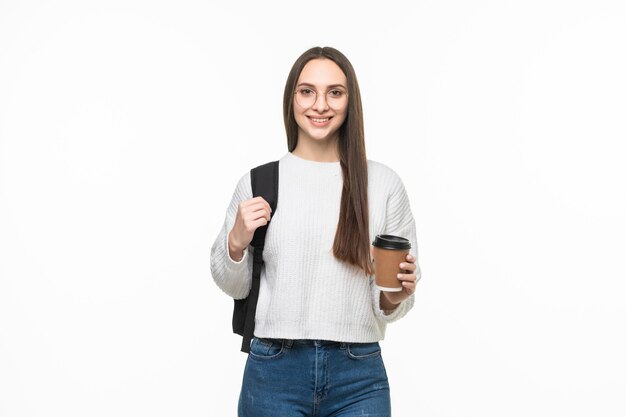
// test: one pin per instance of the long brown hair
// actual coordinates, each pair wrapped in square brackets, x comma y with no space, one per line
[352,240]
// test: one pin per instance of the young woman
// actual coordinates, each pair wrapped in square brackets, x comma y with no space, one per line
[319,316]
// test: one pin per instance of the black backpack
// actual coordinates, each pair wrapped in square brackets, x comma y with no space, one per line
[264,180]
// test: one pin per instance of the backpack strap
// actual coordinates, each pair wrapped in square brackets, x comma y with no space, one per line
[264,180]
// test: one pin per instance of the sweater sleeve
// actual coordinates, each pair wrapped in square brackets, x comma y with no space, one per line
[232,277]
[399,221]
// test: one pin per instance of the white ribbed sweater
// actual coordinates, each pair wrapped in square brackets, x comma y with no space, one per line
[305,292]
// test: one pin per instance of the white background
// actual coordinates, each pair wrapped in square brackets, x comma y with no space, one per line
[125,125]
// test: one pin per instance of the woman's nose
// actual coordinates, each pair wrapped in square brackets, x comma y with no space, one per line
[320,104]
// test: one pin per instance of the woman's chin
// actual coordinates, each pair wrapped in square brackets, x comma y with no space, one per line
[320,136]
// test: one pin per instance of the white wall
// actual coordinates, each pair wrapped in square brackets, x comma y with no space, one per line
[124,126]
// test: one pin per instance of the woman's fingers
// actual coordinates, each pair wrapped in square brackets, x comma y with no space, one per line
[409,281]
[259,222]
[251,214]
[257,213]
[256,207]
[256,203]
[408,266]
[407,277]
[409,286]
[260,213]
[256,210]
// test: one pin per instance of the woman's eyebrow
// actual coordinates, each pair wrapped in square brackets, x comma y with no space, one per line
[330,86]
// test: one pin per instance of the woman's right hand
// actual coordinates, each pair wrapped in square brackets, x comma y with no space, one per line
[251,214]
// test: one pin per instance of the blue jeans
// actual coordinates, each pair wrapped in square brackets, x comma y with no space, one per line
[316,378]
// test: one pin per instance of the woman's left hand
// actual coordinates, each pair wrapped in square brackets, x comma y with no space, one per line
[409,281]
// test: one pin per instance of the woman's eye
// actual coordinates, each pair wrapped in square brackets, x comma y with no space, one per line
[336,93]
[306,91]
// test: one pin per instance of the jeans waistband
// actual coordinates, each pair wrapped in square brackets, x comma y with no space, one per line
[309,342]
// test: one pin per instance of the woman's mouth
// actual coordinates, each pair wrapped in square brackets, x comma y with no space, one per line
[319,121]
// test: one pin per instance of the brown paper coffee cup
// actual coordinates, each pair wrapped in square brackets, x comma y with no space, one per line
[389,252]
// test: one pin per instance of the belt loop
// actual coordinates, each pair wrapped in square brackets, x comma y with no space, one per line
[288,343]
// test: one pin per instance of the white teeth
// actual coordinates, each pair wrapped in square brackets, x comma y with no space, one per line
[320,120]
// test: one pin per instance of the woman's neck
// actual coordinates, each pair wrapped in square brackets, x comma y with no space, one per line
[319,151]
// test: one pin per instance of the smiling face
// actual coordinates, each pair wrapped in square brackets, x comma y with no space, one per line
[321,120]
